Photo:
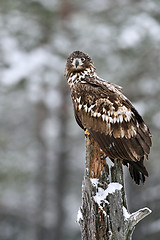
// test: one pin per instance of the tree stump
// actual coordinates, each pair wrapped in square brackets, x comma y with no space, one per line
[104,213]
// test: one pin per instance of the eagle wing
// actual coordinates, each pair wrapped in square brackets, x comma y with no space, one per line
[112,120]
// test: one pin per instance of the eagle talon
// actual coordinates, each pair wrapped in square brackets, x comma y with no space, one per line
[87,133]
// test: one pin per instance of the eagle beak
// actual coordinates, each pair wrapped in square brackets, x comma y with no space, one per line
[76,62]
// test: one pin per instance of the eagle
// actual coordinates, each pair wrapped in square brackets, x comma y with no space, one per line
[110,118]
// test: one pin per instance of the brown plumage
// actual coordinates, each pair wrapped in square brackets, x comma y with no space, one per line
[109,116]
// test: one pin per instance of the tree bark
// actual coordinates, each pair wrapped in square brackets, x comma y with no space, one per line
[104,213]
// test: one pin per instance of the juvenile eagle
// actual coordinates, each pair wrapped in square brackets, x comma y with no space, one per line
[109,116]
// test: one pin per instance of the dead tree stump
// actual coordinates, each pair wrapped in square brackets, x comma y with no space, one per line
[104,214]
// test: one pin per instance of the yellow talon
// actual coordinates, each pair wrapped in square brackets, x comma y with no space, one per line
[86,133]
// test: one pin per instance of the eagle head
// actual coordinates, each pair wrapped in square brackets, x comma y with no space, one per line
[78,62]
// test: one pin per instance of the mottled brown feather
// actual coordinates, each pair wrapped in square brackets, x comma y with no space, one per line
[109,116]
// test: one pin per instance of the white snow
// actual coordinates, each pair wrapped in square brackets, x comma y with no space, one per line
[137,27]
[101,194]
[129,37]
[94,181]
[24,64]
[79,215]
[125,213]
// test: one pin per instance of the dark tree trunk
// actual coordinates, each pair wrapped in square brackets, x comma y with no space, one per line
[41,181]
[62,164]
[104,214]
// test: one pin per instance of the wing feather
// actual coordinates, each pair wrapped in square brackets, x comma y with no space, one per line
[112,121]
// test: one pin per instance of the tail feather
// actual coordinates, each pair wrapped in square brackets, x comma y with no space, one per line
[137,170]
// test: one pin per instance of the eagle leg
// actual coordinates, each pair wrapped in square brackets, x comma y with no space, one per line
[87,133]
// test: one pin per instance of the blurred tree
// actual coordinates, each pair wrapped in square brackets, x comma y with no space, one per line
[41,175]
[35,38]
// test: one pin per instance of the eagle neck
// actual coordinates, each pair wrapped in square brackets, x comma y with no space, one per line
[80,76]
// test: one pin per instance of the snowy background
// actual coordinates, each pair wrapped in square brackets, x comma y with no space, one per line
[41,147]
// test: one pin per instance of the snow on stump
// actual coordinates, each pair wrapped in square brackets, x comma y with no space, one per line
[104,214]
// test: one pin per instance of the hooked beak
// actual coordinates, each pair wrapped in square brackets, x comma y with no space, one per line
[76,62]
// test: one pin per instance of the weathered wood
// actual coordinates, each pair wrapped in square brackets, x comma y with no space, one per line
[104,214]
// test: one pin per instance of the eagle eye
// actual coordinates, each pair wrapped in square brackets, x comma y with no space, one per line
[71,59]
[83,59]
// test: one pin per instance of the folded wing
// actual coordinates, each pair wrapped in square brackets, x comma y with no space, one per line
[115,124]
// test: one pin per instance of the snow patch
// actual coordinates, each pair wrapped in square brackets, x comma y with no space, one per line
[25,64]
[129,37]
[94,181]
[126,213]
[101,194]
[79,216]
